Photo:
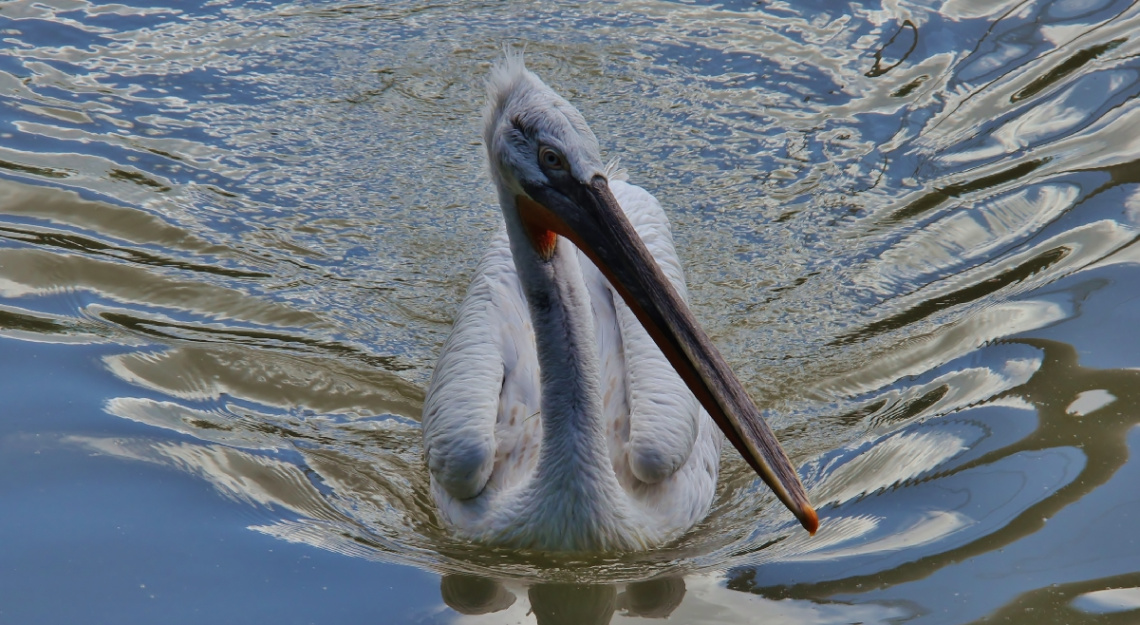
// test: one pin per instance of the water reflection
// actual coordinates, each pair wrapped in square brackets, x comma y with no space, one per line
[1095,441]
[474,595]
[910,227]
[482,600]
[589,604]
[572,603]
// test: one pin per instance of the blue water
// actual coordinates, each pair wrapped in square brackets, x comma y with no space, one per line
[233,236]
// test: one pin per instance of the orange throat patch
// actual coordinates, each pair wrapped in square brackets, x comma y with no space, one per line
[541,226]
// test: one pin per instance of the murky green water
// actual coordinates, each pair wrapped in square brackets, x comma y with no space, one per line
[233,234]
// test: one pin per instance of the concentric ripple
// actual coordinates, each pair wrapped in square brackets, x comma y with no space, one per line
[244,227]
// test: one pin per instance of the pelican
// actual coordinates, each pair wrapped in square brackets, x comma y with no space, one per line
[573,405]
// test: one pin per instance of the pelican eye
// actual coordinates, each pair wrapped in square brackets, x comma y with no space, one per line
[551,159]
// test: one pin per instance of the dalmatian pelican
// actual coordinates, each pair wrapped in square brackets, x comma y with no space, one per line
[576,404]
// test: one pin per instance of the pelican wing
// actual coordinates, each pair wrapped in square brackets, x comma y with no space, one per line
[642,393]
[463,400]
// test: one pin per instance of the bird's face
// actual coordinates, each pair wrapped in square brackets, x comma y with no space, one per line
[546,163]
[543,155]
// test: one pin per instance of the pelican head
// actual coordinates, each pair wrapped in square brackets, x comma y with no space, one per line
[547,167]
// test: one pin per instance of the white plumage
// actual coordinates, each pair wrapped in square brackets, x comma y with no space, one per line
[553,420]
[483,421]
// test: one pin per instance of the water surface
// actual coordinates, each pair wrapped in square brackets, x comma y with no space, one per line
[233,236]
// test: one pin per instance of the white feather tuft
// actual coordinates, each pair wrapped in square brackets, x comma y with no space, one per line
[614,170]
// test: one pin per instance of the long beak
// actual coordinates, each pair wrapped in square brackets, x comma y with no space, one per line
[599,228]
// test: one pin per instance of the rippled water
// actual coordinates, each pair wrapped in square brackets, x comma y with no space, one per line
[233,234]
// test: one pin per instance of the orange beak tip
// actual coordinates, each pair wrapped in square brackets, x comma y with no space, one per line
[810,520]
